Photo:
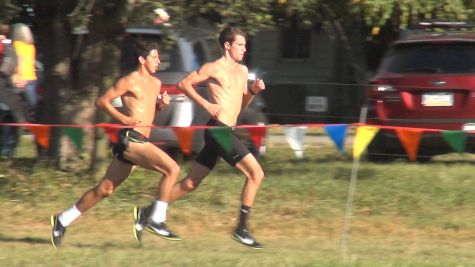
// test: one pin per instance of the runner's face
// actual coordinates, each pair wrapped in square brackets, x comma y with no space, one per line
[237,49]
[152,61]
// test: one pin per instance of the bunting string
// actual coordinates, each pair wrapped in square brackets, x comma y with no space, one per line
[409,137]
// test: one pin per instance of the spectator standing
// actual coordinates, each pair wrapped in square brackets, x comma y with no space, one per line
[10,108]
[25,79]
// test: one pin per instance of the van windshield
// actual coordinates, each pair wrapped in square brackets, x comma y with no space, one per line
[172,59]
[169,60]
[447,57]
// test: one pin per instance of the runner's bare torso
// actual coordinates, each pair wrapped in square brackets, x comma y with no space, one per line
[138,92]
[227,85]
[140,100]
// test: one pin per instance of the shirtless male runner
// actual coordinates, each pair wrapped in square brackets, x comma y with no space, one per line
[227,83]
[139,91]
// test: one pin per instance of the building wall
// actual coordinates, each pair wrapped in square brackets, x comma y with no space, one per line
[311,90]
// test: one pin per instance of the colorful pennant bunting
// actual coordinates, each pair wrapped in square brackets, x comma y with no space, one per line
[257,135]
[337,133]
[41,133]
[456,139]
[76,135]
[295,137]
[184,136]
[410,139]
[364,136]
[112,133]
[223,136]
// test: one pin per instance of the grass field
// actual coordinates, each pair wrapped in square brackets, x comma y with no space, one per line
[404,214]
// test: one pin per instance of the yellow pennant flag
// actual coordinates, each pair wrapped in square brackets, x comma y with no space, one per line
[364,136]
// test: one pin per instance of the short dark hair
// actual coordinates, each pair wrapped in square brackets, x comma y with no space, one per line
[143,48]
[228,34]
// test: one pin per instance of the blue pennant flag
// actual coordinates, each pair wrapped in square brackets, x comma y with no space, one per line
[337,133]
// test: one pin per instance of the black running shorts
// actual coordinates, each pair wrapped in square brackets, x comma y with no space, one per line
[213,149]
[126,136]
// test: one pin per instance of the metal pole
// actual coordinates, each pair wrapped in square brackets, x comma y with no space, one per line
[351,193]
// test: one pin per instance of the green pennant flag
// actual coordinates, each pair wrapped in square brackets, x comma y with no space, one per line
[223,136]
[456,139]
[76,135]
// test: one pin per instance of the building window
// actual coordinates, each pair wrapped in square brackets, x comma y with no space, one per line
[296,42]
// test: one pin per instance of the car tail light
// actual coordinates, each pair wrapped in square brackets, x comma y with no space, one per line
[381,91]
[383,88]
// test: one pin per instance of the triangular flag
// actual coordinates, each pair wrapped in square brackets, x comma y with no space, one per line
[41,133]
[112,133]
[295,137]
[76,135]
[410,139]
[364,135]
[257,134]
[456,139]
[223,137]
[184,135]
[337,133]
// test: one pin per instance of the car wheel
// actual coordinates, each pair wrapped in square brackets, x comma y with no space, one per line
[377,151]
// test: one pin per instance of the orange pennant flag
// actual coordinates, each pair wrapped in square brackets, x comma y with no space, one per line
[184,135]
[410,139]
[41,133]
[112,133]
[257,134]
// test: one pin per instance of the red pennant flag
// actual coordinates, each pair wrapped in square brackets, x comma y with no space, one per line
[41,133]
[257,134]
[410,139]
[184,135]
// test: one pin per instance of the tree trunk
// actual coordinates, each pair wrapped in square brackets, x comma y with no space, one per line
[54,40]
[97,71]
[77,69]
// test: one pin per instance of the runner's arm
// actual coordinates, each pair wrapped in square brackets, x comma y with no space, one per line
[104,102]
[249,94]
[196,77]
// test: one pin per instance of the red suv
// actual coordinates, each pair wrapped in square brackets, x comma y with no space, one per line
[426,80]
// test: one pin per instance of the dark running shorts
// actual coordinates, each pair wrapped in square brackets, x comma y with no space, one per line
[126,136]
[213,149]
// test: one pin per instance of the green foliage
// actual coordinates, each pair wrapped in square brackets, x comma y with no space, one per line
[254,15]
[8,10]
[251,15]
[404,12]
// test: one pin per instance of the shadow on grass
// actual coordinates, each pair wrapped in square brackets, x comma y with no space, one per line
[22,163]
[27,240]
[35,240]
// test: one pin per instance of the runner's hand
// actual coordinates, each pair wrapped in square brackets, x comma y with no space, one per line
[163,101]
[258,86]
[130,121]
[213,109]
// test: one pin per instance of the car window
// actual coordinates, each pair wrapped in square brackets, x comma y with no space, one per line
[446,57]
[199,55]
[214,48]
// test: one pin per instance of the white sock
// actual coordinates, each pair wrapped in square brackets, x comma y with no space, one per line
[159,213]
[69,215]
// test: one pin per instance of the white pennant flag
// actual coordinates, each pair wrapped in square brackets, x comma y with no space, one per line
[295,136]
